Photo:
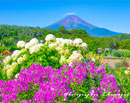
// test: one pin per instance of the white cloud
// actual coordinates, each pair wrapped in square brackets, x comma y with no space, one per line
[72,13]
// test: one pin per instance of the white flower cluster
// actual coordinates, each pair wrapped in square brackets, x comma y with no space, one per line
[21,44]
[21,59]
[84,46]
[50,37]
[23,50]
[62,46]
[33,46]
[75,56]
[58,45]
[34,49]
[9,69]
[15,54]
[7,60]
[52,45]
[63,60]
[31,43]
[78,41]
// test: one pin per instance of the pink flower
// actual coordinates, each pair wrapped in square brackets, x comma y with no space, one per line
[12,52]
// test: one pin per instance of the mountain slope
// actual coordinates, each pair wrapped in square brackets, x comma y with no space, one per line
[74,22]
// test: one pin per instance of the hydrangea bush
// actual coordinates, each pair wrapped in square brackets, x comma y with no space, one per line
[54,52]
[56,72]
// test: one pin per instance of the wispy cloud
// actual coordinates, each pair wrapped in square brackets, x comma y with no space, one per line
[71,13]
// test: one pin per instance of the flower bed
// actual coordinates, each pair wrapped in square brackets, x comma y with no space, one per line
[54,52]
[56,72]
[40,84]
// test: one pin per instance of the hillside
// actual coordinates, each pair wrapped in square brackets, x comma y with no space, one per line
[74,22]
[122,37]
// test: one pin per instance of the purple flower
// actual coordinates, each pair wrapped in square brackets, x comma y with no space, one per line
[26,101]
[12,52]
[49,82]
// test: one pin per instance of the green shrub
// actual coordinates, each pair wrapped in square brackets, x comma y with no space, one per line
[121,53]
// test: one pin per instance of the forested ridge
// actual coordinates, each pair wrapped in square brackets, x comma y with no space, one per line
[9,35]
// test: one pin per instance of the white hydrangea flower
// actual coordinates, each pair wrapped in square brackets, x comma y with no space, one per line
[33,41]
[21,44]
[28,45]
[16,54]
[61,52]
[58,48]
[7,60]
[50,37]
[63,60]
[6,68]
[77,51]
[84,46]
[52,45]
[34,49]
[64,41]
[13,66]
[74,52]
[59,40]
[23,50]
[77,41]
[20,60]
[70,42]
[24,57]
[40,45]
[58,43]
[9,73]
[61,46]
[67,51]
[74,56]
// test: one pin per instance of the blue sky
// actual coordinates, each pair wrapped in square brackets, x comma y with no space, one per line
[111,14]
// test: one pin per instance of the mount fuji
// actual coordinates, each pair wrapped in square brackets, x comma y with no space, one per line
[75,22]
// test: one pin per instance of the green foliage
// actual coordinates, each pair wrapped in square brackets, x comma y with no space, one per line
[9,35]
[62,30]
[122,37]
[121,53]
[44,57]
[124,44]
[122,79]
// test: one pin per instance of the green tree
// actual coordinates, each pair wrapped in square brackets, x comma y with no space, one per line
[62,30]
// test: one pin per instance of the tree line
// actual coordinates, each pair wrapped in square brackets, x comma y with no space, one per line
[9,35]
